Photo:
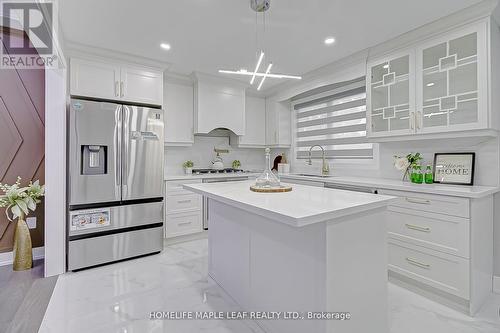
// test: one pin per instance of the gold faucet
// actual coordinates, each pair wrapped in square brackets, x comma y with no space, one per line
[325,170]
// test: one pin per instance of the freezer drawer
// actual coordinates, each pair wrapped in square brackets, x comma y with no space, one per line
[104,249]
[89,221]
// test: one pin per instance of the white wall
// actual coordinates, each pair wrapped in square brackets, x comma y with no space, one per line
[202,153]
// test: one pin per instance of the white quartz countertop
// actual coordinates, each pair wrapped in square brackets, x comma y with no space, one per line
[302,206]
[393,184]
[211,175]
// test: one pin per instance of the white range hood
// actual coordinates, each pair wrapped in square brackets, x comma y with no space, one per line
[218,104]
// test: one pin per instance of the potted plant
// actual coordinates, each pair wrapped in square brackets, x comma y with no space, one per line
[406,163]
[236,164]
[18,201]
[188,167]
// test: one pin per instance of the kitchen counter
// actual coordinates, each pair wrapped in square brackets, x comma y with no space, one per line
[305,251]
[393,184]
[211,175]
[302,206]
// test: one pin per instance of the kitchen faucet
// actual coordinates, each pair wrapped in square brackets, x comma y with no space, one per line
[325,170]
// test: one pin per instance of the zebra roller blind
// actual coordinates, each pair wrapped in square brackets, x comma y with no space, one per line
[335,118]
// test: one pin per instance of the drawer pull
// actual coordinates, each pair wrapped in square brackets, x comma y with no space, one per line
[184,223]
[417,263]
[184,201]
[418,228]
[418,201]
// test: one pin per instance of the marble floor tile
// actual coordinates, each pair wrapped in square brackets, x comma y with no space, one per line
[119,298]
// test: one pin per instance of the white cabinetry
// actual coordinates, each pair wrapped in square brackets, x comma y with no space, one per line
[218,103]
[439,85]
[101,78]
[178,99]
[255,124]
[183,213]
[442,246]
[278,124]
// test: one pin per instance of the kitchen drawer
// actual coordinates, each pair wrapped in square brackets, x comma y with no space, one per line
[431,203]
[183,203]
[174,187]
[439,270]
[183,224]
[445,233]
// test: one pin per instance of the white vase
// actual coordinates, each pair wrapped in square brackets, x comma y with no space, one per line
[188,171]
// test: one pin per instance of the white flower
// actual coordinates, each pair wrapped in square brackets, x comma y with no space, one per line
[401,163]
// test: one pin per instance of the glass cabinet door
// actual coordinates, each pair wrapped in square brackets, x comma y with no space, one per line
[391,96]
[449,88]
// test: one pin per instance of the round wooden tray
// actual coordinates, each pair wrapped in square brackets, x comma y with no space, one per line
[280,189]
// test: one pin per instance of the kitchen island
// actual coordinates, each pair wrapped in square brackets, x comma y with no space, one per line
[305,254]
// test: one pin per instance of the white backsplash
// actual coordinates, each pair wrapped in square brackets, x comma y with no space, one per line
[202,153]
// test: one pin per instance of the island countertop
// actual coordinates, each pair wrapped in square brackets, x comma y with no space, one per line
[302,206]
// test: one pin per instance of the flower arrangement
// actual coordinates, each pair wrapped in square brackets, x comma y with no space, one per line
[236,164]
[188,167]
[18,201]
[405,163]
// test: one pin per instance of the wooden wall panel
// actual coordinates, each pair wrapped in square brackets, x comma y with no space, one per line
[22,131]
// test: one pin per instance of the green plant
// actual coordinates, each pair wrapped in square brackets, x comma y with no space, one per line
[236,164]
[188,164]
[20,200]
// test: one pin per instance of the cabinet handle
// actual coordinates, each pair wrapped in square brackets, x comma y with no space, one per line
[417,263]
[121,89]
[117,89]
[418,119]
[184,223]
[418,228]
[418,201]
[183,201]
[412,120]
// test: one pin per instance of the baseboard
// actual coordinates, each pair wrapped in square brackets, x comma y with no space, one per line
[185,238]
[496,284]
[6,257]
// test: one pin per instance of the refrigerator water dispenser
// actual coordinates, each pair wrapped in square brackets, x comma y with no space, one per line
[94,160]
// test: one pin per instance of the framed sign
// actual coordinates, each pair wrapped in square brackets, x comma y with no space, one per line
[454,168]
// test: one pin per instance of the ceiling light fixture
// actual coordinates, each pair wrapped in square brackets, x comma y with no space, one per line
[386,66]
[261,6]
[165,46]
[265,75]
[329,40]
[430,84]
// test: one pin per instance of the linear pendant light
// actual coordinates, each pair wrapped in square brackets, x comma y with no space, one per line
[260,6]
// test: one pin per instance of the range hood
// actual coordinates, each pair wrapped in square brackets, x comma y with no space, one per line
[219,104]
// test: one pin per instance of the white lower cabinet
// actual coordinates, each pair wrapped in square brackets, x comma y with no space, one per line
[442,246]
[183,209]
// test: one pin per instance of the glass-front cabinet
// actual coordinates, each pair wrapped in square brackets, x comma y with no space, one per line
[439,85]
[452,82]
[391,96]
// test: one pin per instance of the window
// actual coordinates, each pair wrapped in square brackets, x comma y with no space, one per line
[335,118]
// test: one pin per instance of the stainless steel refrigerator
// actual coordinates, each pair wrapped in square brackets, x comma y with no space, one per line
[115,185]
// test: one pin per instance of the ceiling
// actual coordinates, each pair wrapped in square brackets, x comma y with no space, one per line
[206,35]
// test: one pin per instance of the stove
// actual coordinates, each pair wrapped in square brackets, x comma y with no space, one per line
[226,170]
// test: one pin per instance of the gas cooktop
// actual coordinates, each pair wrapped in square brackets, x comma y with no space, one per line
[226,170]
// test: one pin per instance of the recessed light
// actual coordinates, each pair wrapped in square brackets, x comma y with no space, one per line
[430,84]
[386,66]
[329,40]
[165,46]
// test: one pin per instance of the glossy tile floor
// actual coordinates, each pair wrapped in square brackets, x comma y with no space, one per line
[120,297]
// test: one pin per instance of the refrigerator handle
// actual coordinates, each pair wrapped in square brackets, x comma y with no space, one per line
[125,146]
[118,151]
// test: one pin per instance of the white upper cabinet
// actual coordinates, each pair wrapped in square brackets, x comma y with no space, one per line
[108,80]
[278,123]
[141,85]
[391,95]
[178,99]
[94,79]
[440,85]
[255,123]
[452,82]
[218,103]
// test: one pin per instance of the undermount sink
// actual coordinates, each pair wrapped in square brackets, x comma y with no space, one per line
[313,175]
